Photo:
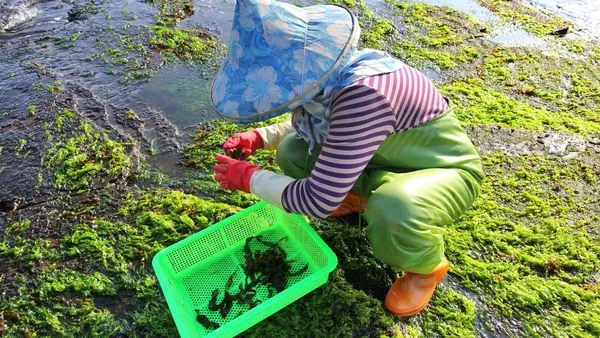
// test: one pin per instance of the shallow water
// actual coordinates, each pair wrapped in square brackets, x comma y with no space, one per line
[584,13]
[214,15]
[192,93]
[14,13]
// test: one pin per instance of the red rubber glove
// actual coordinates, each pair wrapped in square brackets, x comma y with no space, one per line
[245,143]
[234,174]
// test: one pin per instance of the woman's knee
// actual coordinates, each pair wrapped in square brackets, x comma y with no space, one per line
[404,229]
[394,203]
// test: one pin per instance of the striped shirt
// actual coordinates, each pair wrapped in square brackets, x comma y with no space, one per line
[363,115]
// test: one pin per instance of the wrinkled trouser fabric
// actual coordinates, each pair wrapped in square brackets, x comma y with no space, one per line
[417,182]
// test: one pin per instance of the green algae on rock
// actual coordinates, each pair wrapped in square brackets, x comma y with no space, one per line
[185,44]
[433,34]
[171,12]
[101,258]
[126,53]
[449,314]
[527,247]
[355,256]
[477,103]
[532,19]
[567,89]
[335,309]
[507,80]
[209,139]
[84,157]
[171,213]
[208,142]
[18,227]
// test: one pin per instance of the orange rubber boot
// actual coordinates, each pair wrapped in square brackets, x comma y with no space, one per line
[411,293]
[351,204]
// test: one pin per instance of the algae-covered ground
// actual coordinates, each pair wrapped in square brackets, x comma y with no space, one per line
[88,197]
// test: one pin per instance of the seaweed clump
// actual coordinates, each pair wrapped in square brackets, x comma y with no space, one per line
[268,268]
[207,323]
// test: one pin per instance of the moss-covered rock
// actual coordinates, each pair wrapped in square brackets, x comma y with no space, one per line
[85,159]
[527,246]
[531,18]
[184,44]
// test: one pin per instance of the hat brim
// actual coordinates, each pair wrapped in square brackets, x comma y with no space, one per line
[227,89]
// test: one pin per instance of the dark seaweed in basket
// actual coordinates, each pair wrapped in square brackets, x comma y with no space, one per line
[207,323]
[269,268]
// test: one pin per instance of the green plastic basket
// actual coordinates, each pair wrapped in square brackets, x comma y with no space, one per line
[188,271]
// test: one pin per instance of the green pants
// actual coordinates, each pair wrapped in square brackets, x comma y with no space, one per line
[417,182]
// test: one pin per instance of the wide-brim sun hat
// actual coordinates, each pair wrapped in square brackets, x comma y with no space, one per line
[280,56]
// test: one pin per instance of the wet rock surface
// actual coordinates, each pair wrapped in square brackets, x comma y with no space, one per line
[489,139]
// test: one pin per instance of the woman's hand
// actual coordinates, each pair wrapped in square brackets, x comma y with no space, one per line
[234,174]
[242,145]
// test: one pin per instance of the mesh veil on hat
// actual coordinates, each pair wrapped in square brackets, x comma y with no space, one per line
[280,56]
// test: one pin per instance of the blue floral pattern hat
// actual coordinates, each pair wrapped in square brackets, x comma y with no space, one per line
[280,56]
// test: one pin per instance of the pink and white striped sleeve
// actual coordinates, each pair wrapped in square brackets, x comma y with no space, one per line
[361,120]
